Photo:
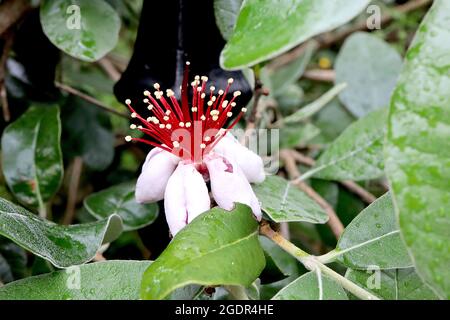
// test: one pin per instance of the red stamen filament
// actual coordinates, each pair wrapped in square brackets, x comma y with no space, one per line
[169,115]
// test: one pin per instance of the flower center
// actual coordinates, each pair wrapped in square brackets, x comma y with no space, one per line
[188,131]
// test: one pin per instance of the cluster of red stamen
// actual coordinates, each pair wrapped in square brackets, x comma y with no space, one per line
[187,131]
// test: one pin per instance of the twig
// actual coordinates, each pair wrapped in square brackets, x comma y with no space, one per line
[284,230]
[291,167]
[74,182]
[320,75]
[254,116]
[328,39]
[109,68]
[365,195]
[4,57]
[11,11]
[313,264]
[118,61]
[4,102]
[99,257]
[302,158]
[90,99]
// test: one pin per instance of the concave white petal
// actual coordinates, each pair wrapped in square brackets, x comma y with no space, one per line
[156,171]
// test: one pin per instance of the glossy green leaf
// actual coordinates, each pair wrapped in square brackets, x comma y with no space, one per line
[86,29]
[63,246]
[357,154]
[332,121]
[373,239]
[277,80]
[218,247]
[106,280]
[311,287]
[283,261]
[226,13]
[34,138]
[315,106]
[120,200]
[370,77]
[265,29]
[418,148]
[269,290]
[284,202]
[290,98]
[295,135]
[398,284]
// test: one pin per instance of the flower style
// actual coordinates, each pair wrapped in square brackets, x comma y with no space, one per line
[192,147]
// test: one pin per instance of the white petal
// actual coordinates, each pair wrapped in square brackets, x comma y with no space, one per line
[251,164]
[229,185]
[174,202]
[196,193]
[157,168]
[186,197]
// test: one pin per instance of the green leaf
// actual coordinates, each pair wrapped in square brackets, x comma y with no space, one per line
[277,80]
[332,121]
[226,12]
[86,30]
[289,99]
[295,135]
[106,280]
[398,284]
[418,149]
[312,108]
[370,77]
[87,133]
[218,247]
[357,154]
[283,261]
[373,239]
[265,29]
[284,202]
[34,138]
[63,246]
[120,200]
[311,287]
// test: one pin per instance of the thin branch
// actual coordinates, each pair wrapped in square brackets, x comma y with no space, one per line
[109,69]
[8,38]
[99,257]
[74,182]
[313,264]
[330,38]
[335,224]
[284,230]
[320,75]
[90,99]
[255,115]
[118,61]
[4,102]
[365,195]
[11,11]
